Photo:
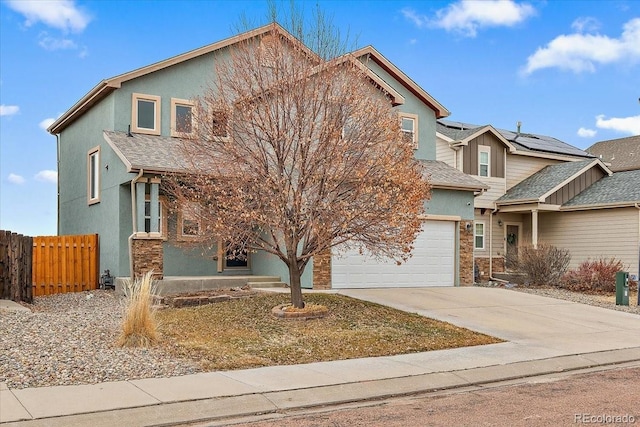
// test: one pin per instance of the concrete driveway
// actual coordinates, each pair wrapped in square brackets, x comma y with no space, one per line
[539,326]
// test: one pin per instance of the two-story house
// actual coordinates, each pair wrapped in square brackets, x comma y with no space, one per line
[542,190]
[116,142]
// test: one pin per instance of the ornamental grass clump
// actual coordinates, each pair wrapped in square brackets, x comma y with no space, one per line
[139,324]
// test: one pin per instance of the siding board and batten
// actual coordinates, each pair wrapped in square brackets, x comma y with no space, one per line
[578,185]
[470,156]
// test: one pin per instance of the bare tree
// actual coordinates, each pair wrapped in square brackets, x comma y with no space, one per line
[296,151]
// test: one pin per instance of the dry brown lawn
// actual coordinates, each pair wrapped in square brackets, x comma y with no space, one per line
[242,333]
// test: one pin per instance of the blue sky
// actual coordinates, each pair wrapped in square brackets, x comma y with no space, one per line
[568,69]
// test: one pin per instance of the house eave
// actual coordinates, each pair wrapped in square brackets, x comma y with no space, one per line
[105,87]
[99,92]
[406,81]
[443,186]
[599,206]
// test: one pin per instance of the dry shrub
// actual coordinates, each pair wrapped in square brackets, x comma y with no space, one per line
[139,325]
[594,276]
[544,265]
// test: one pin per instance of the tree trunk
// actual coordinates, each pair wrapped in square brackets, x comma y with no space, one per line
[294,283]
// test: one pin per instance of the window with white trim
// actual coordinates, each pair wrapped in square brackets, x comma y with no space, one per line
[162,219]
[478,235]
[189,226]
[145,114]
[409,127]
[93,175]
[484,160]
[181,117]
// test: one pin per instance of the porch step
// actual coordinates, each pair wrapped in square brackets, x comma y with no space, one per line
[171,285]
[255,285]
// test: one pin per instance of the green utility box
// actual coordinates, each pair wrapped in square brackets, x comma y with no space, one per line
[622,288]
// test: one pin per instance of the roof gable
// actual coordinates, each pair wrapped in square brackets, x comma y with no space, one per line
[547,181]
[621,188]
[371,53]
[463,136]
[102,89]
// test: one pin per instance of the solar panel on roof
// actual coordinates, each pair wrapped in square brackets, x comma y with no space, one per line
[528,141]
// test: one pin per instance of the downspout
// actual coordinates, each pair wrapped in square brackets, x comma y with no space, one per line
[58,182]
[134,221]
[493,212]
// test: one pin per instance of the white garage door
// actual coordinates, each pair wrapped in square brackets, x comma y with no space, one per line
[432,263]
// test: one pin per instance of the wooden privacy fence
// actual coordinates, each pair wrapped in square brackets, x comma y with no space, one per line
[15,266]
[65,264]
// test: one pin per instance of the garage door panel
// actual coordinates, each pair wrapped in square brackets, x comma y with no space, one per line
[432,263]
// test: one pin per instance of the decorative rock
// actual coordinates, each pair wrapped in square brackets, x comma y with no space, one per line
[313,312]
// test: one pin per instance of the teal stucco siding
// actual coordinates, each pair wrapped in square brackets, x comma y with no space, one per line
[266,264]
[426,116]
[450,202]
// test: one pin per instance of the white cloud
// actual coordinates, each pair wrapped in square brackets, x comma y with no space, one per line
[47,176]
[581,52]
[586,133]
[15,179]
[51,43]
[418,20]
[587,23]
[629,125]
[468,16]
[46,123]
[60,14]
[8,110]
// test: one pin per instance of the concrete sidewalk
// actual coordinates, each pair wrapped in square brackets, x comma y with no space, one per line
[544,336]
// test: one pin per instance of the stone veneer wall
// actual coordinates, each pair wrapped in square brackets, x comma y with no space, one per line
[147,255]
[322,271]
[483,265]
[466,255]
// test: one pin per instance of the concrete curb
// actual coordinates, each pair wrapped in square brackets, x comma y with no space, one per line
[250,404]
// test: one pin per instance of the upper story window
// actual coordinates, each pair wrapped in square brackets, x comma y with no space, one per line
[181,117]
[220,123]
[484,156]
[145,114]
[478,235]
[409,127]
[93,175]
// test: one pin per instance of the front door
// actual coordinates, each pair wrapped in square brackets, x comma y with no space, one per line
[235,261]
[512,240]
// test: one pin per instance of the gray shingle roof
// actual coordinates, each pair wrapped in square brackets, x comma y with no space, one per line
[622,153]
[444,176]
[148,152]
[621,187]
[457,133]
[543,181]
[527,142]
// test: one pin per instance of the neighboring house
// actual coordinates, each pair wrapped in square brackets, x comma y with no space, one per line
[110,178]
[543,190]
[620,154]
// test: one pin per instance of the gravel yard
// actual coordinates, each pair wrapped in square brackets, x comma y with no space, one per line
[70,339]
